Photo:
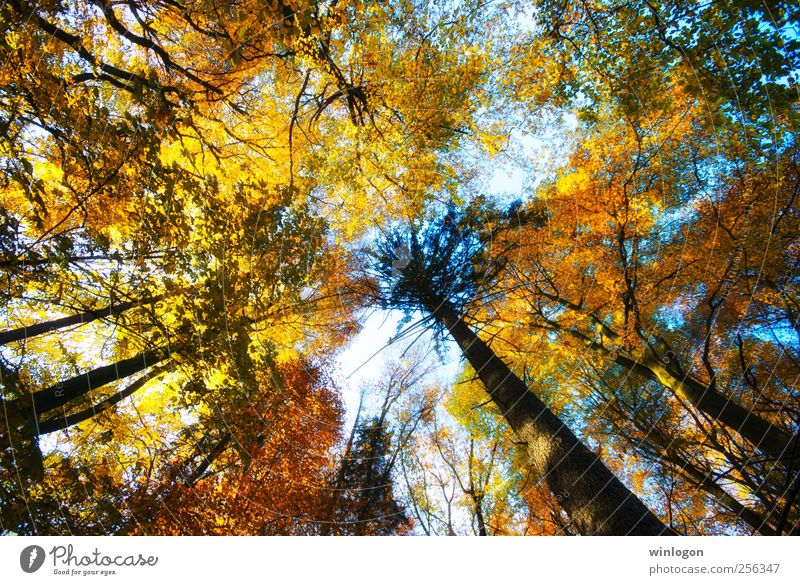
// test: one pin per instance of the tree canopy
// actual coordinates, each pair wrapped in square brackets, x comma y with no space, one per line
[201,201]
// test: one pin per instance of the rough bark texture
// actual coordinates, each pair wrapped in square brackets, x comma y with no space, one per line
[595,500]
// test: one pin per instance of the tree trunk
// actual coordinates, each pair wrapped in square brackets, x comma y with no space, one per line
[61,393]
[21,333]
[595,500]
[60,423]
[749,516]
[328,527]
[479,516]
[217,450]
[768,438]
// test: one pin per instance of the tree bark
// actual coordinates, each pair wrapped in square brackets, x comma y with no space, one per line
[767,437]
[61,393]
[479,516]
[60,423]
[595,500]
[21,333]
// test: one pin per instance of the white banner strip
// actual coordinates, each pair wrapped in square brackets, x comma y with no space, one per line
[333,560]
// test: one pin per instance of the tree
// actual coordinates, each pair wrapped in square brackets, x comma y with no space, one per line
[606,280]
[449,475]
[264,472]
[183,180]
[186,188]
[363,497]
[438,271]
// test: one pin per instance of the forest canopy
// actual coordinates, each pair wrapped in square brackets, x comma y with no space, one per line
[579,222]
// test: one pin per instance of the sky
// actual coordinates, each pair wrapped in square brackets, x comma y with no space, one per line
[367,356]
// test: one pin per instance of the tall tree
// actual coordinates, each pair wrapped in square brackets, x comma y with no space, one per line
[439,271]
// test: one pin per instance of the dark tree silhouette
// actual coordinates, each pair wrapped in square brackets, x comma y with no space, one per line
[363,496]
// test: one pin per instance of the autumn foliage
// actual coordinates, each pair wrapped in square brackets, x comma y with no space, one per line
[202,202]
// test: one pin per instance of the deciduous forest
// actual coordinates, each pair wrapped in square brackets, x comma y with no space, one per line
[578,222]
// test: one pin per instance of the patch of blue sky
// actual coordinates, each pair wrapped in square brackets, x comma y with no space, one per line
[382,339]
[781,333]
[511,175]
[673,315]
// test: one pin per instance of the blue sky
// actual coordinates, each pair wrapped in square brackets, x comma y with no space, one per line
[507,176]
